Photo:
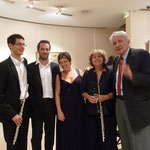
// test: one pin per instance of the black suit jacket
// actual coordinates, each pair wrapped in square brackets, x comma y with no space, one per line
[137,90]
[35,85]
[89,85]
[9,90]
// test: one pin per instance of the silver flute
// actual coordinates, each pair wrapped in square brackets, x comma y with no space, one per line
[21,114]
[101,117]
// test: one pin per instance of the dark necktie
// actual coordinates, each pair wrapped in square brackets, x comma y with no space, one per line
[119,75]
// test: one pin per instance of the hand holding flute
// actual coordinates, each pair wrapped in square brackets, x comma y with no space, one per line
[17,122]
[17,119]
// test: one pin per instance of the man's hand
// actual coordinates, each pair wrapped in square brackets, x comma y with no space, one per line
[127,71]
[17,119]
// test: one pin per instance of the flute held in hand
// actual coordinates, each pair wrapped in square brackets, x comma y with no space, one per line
[21,114]
[101,117]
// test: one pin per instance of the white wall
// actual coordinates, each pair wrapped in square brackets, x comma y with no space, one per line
[138,28]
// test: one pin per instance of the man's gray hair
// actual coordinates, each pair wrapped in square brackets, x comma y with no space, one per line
[118,33]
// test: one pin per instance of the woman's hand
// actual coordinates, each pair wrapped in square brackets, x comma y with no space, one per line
[61,116]
[103,98]
[92,99]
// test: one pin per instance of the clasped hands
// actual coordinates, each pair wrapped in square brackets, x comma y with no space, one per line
[99,98]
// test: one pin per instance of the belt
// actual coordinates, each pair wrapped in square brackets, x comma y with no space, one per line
[120,97]
[47,99]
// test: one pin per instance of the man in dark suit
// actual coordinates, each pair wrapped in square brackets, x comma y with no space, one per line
[42,75]
[13,84]
[132,92]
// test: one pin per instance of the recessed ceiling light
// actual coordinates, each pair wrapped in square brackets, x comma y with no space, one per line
[85,11]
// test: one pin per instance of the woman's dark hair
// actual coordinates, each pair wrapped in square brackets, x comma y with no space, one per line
[64,55]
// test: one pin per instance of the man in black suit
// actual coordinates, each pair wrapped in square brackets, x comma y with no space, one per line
[42,75]
[132,92]
[13,83]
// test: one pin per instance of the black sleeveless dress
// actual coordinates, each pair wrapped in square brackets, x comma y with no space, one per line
[69,134]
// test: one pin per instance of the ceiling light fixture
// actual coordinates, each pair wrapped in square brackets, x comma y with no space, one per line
[31,4]
[59,11]
[85,11]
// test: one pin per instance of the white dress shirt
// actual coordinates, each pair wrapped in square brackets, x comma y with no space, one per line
[46,78]
[22,75]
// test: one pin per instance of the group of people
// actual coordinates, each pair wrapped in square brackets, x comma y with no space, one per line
[89,105]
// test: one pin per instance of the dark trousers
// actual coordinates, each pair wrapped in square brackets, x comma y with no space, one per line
[93,136]
[9,128]
[46,119]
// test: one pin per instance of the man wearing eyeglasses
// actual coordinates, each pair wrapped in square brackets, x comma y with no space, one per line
[13,83]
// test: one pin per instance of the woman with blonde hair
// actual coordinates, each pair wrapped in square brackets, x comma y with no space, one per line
[96,88]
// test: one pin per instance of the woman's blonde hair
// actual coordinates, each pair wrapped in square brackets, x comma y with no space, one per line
[99,52]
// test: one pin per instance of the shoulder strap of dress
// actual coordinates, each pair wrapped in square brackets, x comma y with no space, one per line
[59,74]
[77,70]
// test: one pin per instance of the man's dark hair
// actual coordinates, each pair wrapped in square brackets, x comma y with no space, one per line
[12,38]
[43,41]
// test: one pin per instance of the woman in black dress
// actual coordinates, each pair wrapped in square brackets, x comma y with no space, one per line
[97,87]
[70,106]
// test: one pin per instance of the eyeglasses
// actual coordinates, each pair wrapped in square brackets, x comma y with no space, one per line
[20,44]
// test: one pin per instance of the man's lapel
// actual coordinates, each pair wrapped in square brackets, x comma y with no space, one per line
[130,60]
[52,70]
[130,57]
[13,68]
[37,73]
[25,62]
[116,64]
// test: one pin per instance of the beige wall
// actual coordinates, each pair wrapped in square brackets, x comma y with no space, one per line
[101,37]
[77,41]
[138,28]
